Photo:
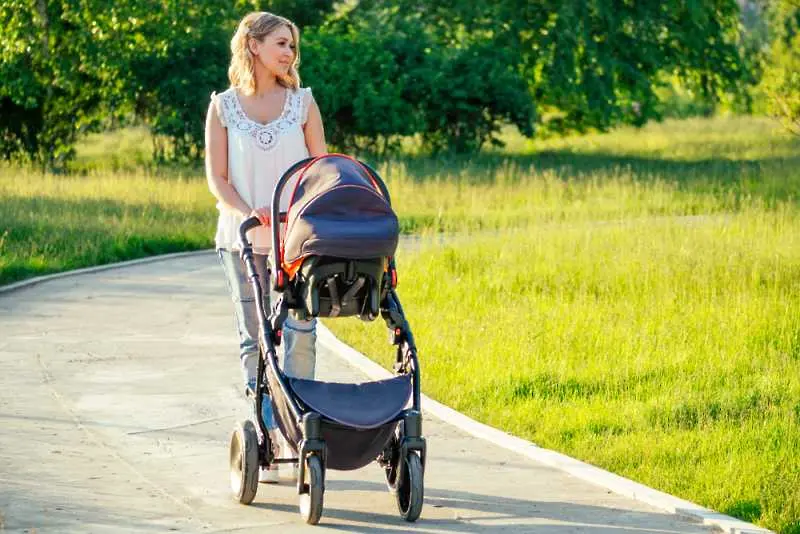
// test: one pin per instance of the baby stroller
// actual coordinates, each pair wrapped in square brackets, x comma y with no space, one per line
[334,259]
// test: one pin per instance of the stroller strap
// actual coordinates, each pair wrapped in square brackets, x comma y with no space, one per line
[336,302]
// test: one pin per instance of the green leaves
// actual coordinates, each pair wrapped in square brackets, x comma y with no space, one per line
[378,77]
[451,72]
[56,78]
[781,80]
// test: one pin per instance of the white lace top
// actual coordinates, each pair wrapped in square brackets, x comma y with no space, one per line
[258,154]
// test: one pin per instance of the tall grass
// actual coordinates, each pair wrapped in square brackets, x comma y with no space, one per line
[117,205]
[54,223]
[679,167]
[665,350]
[640,309]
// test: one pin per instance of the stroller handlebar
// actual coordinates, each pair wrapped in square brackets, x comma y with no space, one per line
[247,225]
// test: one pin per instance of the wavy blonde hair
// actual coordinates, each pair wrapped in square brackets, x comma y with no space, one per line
[258,25]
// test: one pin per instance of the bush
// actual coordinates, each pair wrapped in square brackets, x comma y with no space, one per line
[471,93]
[450,73]
[374,87]
[363,86]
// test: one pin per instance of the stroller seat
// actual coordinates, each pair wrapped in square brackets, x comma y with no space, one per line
[364,406]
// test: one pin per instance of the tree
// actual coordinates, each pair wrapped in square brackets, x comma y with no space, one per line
[71,66]
[55,80]
[593,63]
[781,79]
[375,86]
[451,71]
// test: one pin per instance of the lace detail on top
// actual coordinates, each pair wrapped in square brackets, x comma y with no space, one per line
[265,135]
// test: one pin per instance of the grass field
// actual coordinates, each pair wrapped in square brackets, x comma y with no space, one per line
[117,206]
[55,223]
[631,299]
[664,350]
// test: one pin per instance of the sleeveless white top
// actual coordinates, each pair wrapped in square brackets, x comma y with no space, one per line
[258,154]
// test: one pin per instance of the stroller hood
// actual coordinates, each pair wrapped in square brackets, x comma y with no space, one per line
[338,210]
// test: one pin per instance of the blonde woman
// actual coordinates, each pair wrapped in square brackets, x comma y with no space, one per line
[255,130]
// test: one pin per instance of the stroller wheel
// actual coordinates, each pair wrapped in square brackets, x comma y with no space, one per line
[311,498]
[244,462]
[410,488]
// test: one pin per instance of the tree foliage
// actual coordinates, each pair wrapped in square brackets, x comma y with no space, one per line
[781,79]
[71,66]
[596,63]
[376,86]
[452,72]
[54,77]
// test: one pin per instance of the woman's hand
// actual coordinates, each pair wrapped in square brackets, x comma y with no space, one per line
[264,215]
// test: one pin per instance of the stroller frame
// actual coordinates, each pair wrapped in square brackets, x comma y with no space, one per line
[403,459]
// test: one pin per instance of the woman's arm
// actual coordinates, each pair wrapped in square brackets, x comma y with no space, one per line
[217,164]
[314,132]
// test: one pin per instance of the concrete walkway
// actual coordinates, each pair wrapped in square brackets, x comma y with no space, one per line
[118,392]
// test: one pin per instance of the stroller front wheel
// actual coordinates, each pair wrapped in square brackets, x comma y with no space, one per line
[244,462]
[311,498]
[410,487]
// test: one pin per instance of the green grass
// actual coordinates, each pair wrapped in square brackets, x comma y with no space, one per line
[631,299]
[664,350]
[679,167]
[610,326]
[56,223]
[116,205]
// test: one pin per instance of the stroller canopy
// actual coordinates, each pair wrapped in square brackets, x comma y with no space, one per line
[337,209]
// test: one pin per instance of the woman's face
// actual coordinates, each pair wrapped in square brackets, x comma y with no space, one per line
[276,52]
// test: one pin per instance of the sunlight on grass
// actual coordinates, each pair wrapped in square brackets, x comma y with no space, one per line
[55,223]
[663,350]
[731,138]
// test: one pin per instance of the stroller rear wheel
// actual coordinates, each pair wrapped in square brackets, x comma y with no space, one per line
[244,462]
[311,498]
[410,487]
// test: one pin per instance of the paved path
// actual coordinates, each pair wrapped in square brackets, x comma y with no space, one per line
[118,392]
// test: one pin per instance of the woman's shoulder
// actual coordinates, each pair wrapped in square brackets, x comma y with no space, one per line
[303,99]
[223,103]
[304,96]
[227,93]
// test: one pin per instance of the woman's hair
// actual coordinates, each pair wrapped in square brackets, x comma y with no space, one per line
[258,25]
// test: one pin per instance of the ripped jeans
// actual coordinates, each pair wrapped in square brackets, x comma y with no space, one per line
[299,338]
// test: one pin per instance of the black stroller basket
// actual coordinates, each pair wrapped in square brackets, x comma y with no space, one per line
[335,260]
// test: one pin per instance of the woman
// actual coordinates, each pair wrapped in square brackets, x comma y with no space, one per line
[255,131]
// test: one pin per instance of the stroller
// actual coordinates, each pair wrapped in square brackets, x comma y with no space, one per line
[335,259]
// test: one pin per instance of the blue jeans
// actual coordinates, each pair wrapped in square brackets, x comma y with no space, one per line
[299,338]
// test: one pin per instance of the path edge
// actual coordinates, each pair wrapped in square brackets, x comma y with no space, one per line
[28,282]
